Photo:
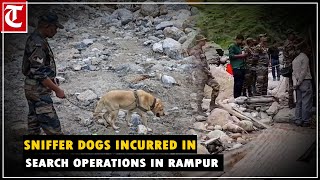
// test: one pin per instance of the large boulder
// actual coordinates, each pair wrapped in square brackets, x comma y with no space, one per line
[163,10]
[273,109]
[124,15]
[164,24]
[150,9]
[284,115]
[218,117]
[172,48]
[182,14]
[199,125]
[157,47]
[225,81]
[87,95]
[216,134]
[246,125]
[202,150]
[173,32]
[181,17]
[191,22]
[190,40]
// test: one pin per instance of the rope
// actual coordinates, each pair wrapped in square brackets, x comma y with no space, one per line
[66,97]
[90,110]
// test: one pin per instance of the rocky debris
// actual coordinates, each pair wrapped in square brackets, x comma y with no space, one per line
[172,48]
[163,10]
[246,125]
[101,121]
[217,127]
[232,128]
[241,140]
[273,109]
[199,126]
[157,47]
[191,132]
[235,135]
[136,119]
[110,59]
[87,95]
[284,115]
[173,32]
[202,149]
[182,39]
[218,117]
[216,134]
[76,67]
[225,81]
[267,120]
[263,115]
[235,146]
[235,119]
[123,15]
[200,118]
[87,42]
[150,9]
[164,24]
[194,11]
[190,40]
[85,122]
[142,129]
[168,81]
[61,79]
[211,128]
[214,145]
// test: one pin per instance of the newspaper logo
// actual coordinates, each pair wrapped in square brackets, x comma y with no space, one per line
[14,17]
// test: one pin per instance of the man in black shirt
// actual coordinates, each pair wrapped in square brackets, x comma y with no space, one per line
[274,59]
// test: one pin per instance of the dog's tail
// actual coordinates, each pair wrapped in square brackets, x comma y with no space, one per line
[100,106]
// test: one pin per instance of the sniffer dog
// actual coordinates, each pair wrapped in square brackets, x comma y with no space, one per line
[134,100]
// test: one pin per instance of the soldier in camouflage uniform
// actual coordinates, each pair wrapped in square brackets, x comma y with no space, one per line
[289,53]
[261,52]
[202,74]
[40,70]
[251,63]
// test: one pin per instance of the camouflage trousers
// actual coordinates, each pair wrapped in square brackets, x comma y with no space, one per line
[200,81]
[248,82]
[41,114]
[262,81]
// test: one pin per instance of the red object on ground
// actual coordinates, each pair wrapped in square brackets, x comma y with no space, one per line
[229,69]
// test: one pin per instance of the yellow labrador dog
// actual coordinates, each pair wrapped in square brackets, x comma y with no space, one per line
[137,100]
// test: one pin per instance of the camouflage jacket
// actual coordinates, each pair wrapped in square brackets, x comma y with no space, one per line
[252,58]
[261,53]
[201,62]
[289,52]
[38,62]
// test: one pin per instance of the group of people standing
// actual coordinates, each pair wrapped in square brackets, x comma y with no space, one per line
[250,66]
[250,60]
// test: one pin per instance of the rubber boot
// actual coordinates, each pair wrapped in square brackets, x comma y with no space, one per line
[213,103]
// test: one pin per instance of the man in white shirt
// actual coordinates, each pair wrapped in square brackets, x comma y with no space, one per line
[302,84]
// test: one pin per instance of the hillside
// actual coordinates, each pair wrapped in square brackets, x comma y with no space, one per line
[221,23]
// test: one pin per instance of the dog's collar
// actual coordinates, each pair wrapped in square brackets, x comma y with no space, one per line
[153,104]
[138,102]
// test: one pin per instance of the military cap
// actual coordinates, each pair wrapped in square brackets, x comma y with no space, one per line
[51,18]
[200,37]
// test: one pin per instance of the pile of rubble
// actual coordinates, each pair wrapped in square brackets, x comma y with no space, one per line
[236,121]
